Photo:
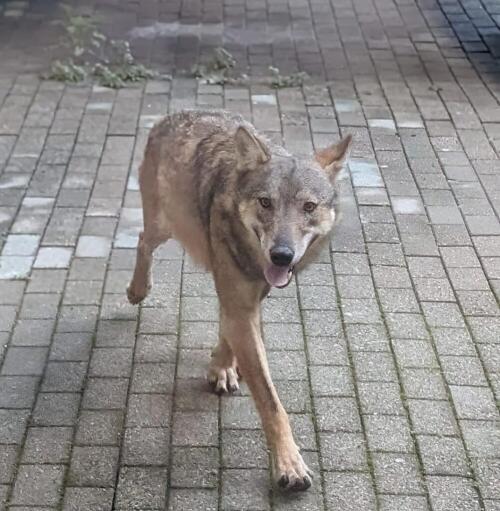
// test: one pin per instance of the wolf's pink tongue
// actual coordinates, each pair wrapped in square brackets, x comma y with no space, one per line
[276,276]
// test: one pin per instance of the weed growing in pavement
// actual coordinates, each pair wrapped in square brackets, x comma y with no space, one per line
[93,54]
[220,70]
[279,81]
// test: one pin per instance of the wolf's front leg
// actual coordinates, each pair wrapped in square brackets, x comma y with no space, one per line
[241,328]
[223,370]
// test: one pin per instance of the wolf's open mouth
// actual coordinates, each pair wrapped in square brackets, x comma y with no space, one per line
[278,276]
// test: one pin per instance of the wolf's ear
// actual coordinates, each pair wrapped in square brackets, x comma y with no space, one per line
[250,148]
[333,157]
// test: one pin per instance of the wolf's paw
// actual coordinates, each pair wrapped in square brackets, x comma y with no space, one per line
[136,294]
[223,379]
[290,471]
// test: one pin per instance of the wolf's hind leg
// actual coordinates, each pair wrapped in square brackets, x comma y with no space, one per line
[223,369]
[141,282]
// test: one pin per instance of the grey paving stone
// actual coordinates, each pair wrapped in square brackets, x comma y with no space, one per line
[342,451]
[243,449]
[432,417]
[71,347]
[397,473]
[287,365]
[64,377]
[38,485]
[453,341]
[192,363]
[145,446]
[12,425]
[88,499]
[8,458]
[443,314]
[195,396]
[46,281]
[93,466]
[56,409]
[391,277]
[11,292]
[141,488]
[4,488]
[473,402]
[245,489]
[53,257]
[189,499]
[155,348]
[388,433]
[199,334]
[485,330]
[312,500]
[350,264]
[443,455]
[331,381]
[327,350]
[403,503]
[105,393]
[406,326]
[318,297]
[156,378]
[423,383]
[360,311]
[77,318]
[429,289]
[337,414]
[450,493]
[195,467]
[239,412]
[463,371]
[102,427]
[304,432]
[18,391]
[367,338]
[47,445]
[380,398]
[7,317]
[374,366]
[339,494]
[111,362]
[487,471]
[478,303]
[398,300]
[148,410]
[482,438]
[87,269]
[24,361]
[414,353]
[196,429]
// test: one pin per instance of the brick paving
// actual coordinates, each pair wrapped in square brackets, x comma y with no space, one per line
[385,352]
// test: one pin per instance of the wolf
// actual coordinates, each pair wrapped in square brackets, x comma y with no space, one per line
[251,214]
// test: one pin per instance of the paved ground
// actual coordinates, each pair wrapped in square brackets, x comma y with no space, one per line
[386,352]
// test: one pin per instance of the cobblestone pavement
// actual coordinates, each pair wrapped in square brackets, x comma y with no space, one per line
[385,352]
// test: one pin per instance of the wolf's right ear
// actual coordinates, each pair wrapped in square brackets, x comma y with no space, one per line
[250,148]
[332,158]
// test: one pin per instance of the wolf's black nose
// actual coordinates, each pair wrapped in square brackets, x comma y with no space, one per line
[282,255]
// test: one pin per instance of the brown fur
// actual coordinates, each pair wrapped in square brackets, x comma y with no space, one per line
[228,196]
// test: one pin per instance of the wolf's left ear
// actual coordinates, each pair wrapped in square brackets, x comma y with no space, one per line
[332,158]
[250,147]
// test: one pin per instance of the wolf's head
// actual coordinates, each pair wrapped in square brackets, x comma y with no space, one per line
[286,204]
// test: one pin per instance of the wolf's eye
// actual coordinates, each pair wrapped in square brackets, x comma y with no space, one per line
[309,207]
[265,202]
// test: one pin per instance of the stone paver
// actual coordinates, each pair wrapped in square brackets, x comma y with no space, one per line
[385,351]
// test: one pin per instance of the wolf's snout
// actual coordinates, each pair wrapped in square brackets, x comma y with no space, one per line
[282,255]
